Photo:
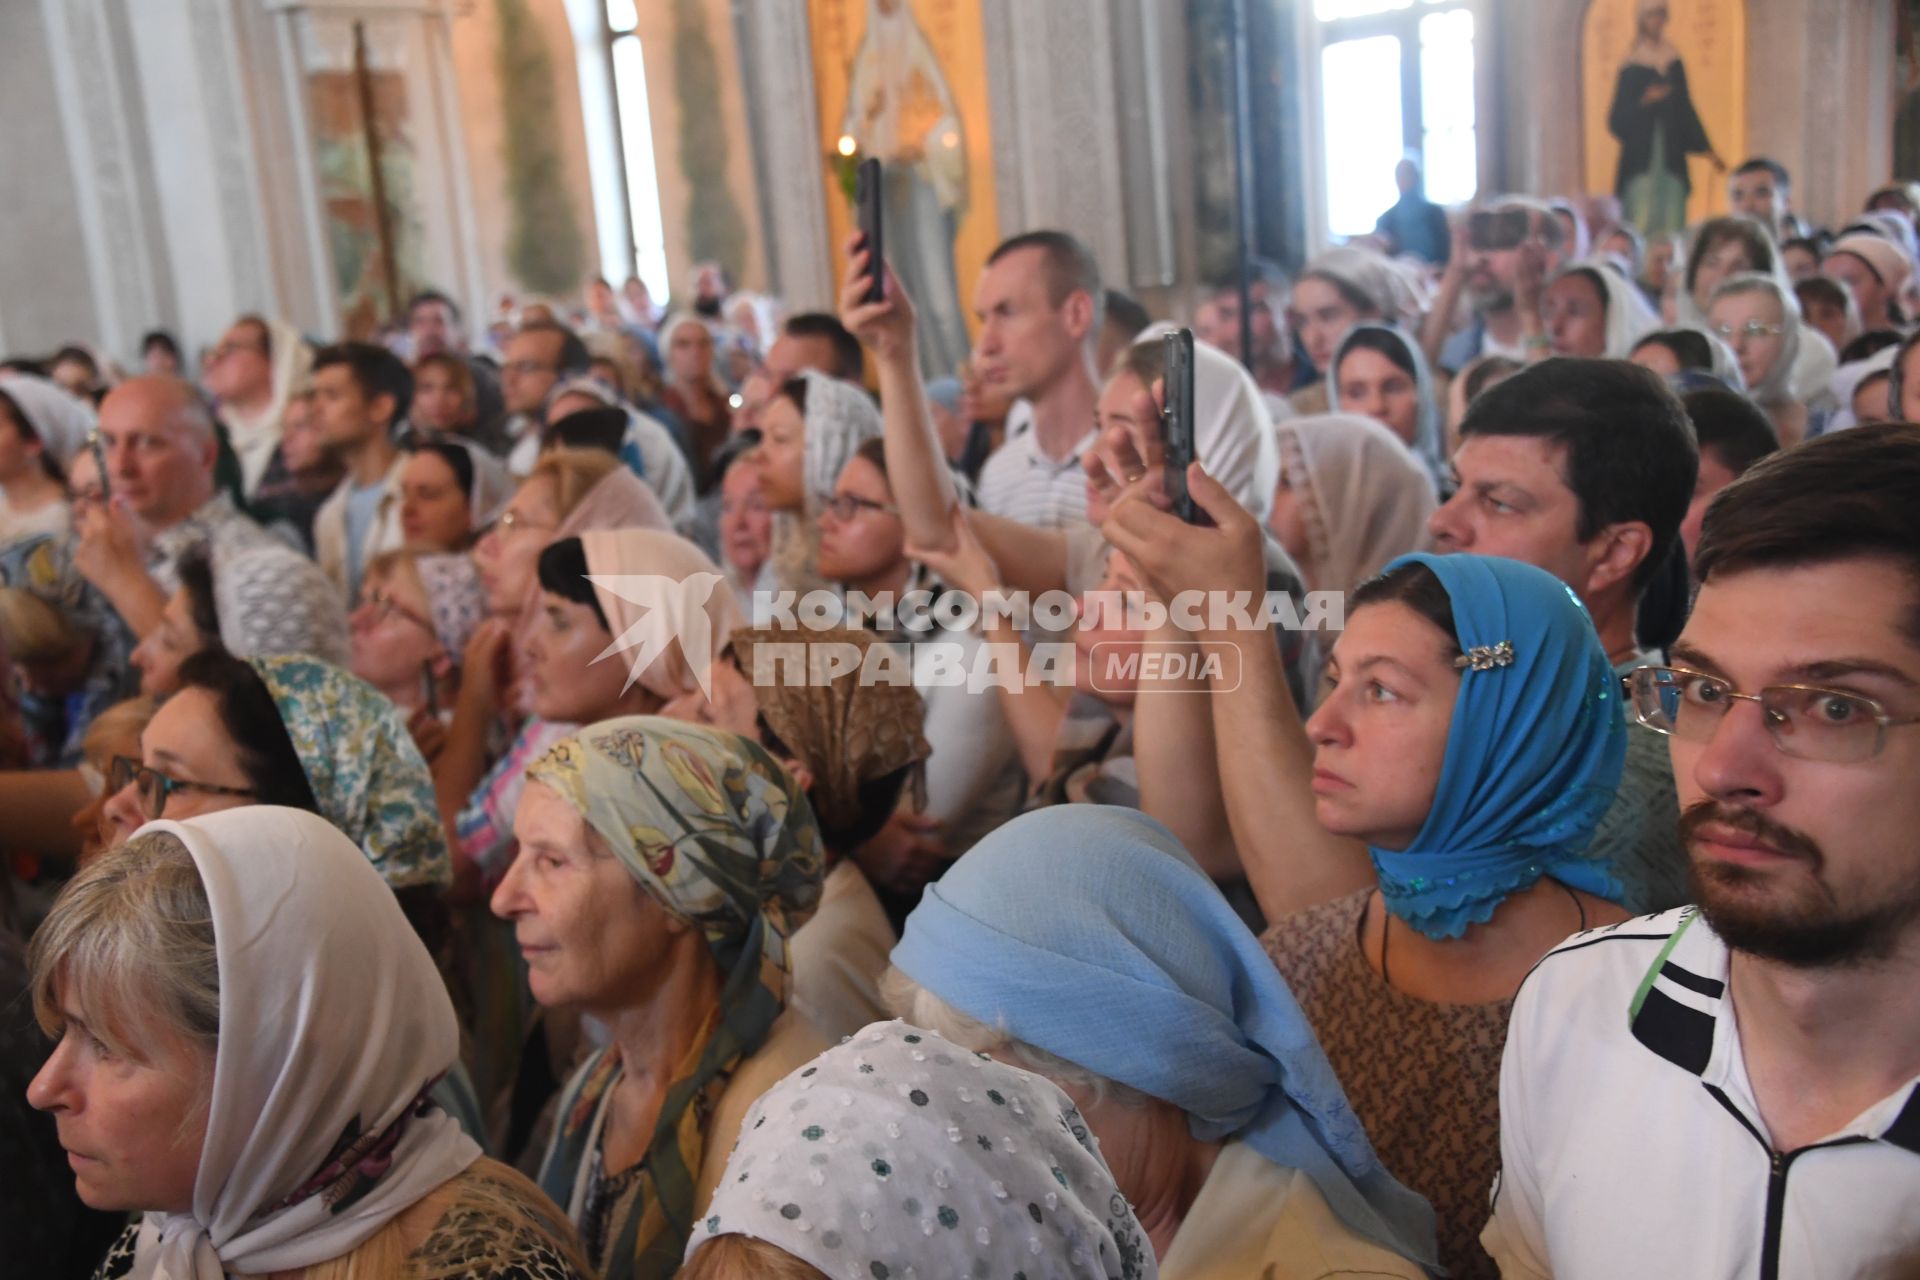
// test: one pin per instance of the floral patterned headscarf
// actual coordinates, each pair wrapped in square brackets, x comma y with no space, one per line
[368,777]
[722,837]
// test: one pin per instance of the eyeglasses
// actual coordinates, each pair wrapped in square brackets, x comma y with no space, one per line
[1806,722]
[514,522]
[153,787]
[384,605]
[845,506]
[1751,329]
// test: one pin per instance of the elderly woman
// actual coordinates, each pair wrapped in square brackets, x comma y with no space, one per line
[1350,498]
[449,491]
[1380,373]
[854,745]
[410,630]
[1084,944]
[662,868]
[909,1098]
[1785,363]
[314,1148]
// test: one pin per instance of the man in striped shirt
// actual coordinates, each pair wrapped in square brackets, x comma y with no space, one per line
[1039,304]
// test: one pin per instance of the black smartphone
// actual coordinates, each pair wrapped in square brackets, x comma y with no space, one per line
[1176,419]
[1498,228]
[429,689]
[867,197]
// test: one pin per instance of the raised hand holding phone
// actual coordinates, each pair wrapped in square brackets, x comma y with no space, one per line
[1176,417]
[869,189]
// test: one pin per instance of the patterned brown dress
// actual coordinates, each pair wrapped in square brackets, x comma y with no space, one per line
[1424,1078]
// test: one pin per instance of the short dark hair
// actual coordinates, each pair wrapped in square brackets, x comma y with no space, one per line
[1773,167]
[458,460]
[1731,427]
[426,296]
[849,361]
[1070,264]
[1717,231]
[1821,289]
[1688,346]
[1630,451]
[603,428]
[1125,310]
[563,571]
[159,338]
[250,717]
[1836,497]
[574,356]
[1870,343]
[376,371]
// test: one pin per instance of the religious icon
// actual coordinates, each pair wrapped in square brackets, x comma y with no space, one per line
[901,110]
[1659,96]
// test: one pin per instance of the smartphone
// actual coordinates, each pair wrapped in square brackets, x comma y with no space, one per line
[867,196]
[1177,420]
[100,464]
[429,689]
[1498,228]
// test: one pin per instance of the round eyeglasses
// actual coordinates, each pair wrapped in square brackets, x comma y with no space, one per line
[1805,721]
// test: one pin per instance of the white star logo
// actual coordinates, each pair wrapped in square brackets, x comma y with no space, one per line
[671,609]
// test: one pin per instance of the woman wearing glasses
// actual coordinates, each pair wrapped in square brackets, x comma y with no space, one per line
[1787,365]
[977,782]
[1467,742]
[410,630]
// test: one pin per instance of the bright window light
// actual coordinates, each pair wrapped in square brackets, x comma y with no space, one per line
[643,184]
[1446,106]
[1364,138]
[1334,10]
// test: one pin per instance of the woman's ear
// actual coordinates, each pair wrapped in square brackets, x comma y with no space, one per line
[801,774]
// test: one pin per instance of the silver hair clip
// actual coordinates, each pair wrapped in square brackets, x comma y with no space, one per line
[1485,657]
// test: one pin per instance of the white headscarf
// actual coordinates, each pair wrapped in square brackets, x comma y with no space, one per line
[1629,316]
[254,439]
[1397,296]
[1429,432]
[492,485]
[1233,427]
[1804,369]
[1847,380]
[1724,365]
[312,1054]
[61,421]
[1368,498]
[840,417]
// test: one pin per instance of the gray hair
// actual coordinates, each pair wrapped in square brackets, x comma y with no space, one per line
[129,948]
[911,1002]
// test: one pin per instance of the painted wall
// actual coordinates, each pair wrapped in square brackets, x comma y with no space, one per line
[476,62]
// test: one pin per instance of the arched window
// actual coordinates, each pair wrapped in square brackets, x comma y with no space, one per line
[1396,78]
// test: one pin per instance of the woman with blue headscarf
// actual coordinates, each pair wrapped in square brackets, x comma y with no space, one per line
[1083,943]
[1469,734]
[1378,372]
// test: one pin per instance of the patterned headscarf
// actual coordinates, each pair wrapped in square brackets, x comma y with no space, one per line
[456,599]
[845,730]
[367,775]
[1534,752]
[721,836]
[994,1166]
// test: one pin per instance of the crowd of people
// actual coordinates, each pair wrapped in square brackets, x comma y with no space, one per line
[558,801]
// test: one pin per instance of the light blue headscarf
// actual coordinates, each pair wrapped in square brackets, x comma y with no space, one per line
[1429,431]
[1534,752]
[1087,931]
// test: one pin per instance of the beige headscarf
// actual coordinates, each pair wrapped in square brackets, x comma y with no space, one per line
[1365,499]
[847,731]
[662,596]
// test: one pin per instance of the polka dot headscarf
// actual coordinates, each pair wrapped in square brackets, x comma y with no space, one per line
[899,1154]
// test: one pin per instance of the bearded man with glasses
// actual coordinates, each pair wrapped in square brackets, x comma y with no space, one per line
[1733,1088]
